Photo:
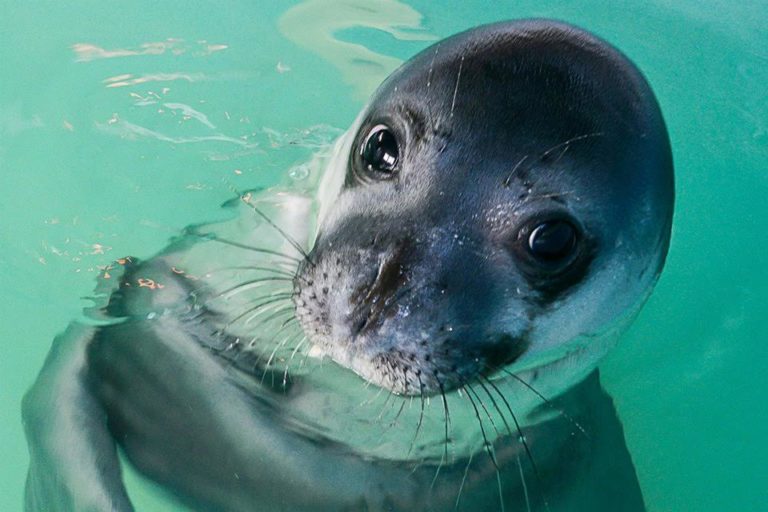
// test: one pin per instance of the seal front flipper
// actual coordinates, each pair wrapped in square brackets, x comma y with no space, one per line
[71,416]
[182,418]
[74,465]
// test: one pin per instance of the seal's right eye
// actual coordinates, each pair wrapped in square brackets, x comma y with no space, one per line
[380,152]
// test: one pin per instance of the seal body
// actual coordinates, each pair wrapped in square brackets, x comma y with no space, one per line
[494,218]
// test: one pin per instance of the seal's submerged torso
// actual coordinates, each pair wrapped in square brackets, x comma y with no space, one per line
[495,216]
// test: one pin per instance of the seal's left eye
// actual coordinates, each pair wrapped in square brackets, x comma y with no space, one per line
[553,241]
[380,152]
[554,251]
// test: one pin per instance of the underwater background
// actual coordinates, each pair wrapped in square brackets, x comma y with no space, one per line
[122,122]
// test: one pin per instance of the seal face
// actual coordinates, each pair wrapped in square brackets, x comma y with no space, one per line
[506,191]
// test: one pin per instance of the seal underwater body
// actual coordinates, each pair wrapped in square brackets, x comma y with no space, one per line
[497,214]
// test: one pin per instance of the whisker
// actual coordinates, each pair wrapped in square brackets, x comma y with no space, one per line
[291,319]
[247,247]
[547,401]
[486,444]
[485,409]
[369,401]
[522,438]
[288,364]
[525,485]
[251,283]
[495,405]
[288,341]
[447,415]
[384,405]
[421,413]
[275,314]
[296,245]
[567,143]
[446,422]
[275,309]
[463,480]
[272,300]
[277,332]
[489,447]
[304,359]
[542,180]
[456,87]
[509,430]
[511,174]
[397,416]
[272,355]
[268,295]
[402,404]
[255,268]
[429,84]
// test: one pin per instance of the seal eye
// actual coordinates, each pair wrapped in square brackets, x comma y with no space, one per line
[553,242]
[554,251]
[380,152]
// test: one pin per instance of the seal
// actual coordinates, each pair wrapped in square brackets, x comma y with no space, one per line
[495,217]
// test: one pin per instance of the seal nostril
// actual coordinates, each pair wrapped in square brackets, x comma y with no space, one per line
[370,302]
[360,323]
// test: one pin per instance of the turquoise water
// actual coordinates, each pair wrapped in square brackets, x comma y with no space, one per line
[118,123]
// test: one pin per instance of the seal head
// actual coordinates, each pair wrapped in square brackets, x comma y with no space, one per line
[506,192]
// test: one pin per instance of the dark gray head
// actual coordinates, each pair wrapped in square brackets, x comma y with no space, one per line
[507,191]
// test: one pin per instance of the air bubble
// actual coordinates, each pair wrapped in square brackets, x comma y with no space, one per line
[299,173]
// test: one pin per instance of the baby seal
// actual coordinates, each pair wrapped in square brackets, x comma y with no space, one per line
[495,217]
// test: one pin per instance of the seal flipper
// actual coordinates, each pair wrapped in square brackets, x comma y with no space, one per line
[613,475]
[601,474]
[74,465]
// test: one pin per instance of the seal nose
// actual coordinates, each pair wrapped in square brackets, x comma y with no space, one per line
[374,302]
